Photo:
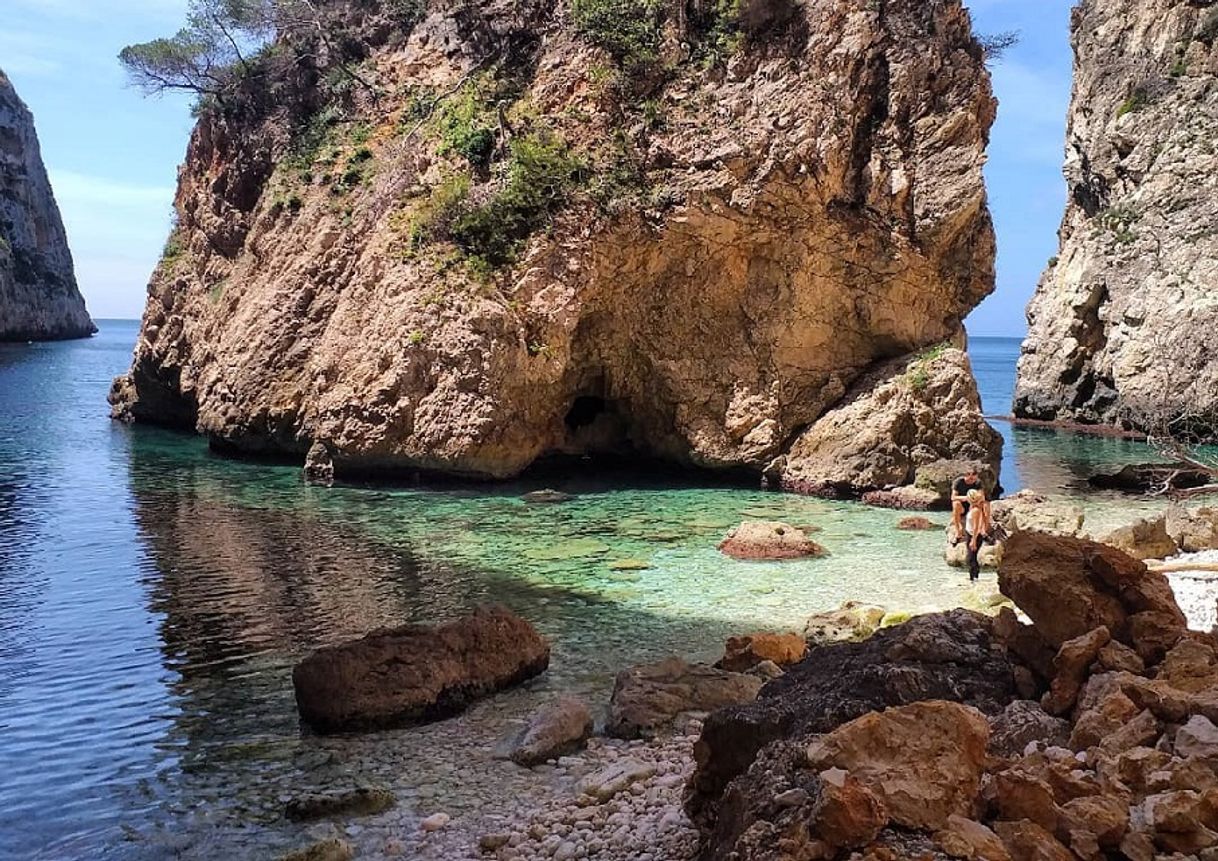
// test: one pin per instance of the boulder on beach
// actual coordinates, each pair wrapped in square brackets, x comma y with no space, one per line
[744,653]
[416,673]
[649,697]
[1194,530]
[914,766]
[1069,587]
[766,540]
[955,553]
[559,728]
[870,750]
[1145,538]
[1028,511]
[945,656]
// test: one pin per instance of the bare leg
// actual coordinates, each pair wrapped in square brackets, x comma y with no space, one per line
[958,518]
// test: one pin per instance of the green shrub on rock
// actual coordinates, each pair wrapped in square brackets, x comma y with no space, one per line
[541,172]
[628,29]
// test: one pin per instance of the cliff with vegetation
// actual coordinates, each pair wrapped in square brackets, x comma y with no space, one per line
[1121,326]
[460,237]
[39,299]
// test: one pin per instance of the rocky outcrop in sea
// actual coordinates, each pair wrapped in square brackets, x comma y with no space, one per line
[1121,326]
[518,235]
[39,299]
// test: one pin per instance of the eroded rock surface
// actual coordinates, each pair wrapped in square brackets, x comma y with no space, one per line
[1128,771]
[713,283]
[1120,326]
[896,422]
[948,656]
[39,299]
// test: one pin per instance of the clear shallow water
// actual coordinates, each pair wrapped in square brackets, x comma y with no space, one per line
[153,598]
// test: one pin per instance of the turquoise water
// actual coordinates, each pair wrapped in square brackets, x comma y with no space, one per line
[153,597]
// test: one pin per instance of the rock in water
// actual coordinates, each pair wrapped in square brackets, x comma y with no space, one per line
[559,728]
[39,299]
[649,697]
[700,294]
[903,417]
[1122,322]
[363,801]
[417,672]
[766,540]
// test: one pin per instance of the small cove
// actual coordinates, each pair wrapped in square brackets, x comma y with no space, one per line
[153,597]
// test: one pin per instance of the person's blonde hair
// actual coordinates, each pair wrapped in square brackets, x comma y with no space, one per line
[976,496]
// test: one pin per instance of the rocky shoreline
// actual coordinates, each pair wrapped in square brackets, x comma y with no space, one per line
[633,799]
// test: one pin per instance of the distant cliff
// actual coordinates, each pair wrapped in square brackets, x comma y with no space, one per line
[1122,327]
[38,295]
[541,227]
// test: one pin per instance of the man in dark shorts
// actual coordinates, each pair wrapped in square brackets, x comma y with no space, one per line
[971,480]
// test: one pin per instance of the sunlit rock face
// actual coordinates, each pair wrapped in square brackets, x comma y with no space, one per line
[1122,325]
[809,208]
[38,295]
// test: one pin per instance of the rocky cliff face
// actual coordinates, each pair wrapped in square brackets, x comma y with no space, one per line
[1121,326]
[38,295]
[538,238]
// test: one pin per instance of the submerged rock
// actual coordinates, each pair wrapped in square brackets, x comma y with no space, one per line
[363,801]
[546,496]
[416,672]
[768,540]
[329,849]
[649,697]
[915,524]
[39,299]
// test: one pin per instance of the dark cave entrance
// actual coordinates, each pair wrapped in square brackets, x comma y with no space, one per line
[585,410]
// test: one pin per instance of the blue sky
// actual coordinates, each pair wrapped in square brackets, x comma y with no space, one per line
[113,154]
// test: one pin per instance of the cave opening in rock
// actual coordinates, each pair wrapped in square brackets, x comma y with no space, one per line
[585,410]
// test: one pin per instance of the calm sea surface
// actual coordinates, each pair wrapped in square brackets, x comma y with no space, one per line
[154,596]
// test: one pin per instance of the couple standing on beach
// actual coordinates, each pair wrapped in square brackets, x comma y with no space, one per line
[971,518]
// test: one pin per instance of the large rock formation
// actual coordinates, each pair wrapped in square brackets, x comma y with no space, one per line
[38,295]
[717,256]
[1121,325]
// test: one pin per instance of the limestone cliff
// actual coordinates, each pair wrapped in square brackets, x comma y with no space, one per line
[1121,329]
[38,295]
[519,233]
